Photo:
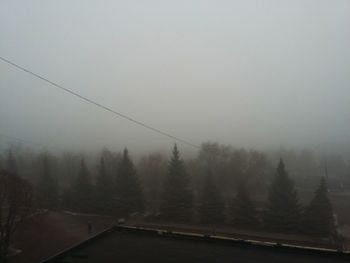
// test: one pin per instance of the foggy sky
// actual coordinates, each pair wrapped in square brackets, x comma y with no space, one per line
[247,73]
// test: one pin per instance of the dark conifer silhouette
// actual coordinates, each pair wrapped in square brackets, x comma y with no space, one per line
[211,205]
[177,197]
[283,210]
[318,216]
[47,188]
[128,191]
[242,210]
[152,170]
[80,194]
[104,188]
[11,165]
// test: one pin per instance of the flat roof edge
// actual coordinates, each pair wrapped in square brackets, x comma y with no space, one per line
[198,237]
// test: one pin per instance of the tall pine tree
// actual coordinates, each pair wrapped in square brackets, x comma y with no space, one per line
[211,205]
[47,188]
[81,191]
[283,210]
[242,209]
[11,165]
[318,216]
[177,201]
[104,188]
[129,196]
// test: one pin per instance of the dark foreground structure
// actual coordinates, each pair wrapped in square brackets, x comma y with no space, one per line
[128,244]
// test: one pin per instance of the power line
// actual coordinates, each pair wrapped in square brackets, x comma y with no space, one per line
[100,105]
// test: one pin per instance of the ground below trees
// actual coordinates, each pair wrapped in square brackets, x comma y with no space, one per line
[44,235]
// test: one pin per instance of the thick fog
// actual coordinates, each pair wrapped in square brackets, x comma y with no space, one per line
[258,74]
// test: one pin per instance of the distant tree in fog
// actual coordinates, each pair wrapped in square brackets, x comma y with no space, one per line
[47,188]
[231,164]
[15,202]
[111,160]
[128,190]
[79,195]
[221,159]
[283,210]
[152,170]
[103,189]
[318,216]
[242,209]
[177,196]
[211,208]
[256,172]
[70,164]
[11,164]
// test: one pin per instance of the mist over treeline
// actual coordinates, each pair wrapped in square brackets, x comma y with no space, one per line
[227,163]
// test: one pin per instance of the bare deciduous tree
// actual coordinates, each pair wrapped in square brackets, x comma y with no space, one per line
[15,201]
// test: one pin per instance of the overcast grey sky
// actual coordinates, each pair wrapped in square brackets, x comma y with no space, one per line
[249,73]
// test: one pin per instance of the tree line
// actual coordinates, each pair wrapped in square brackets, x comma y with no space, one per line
[119,191]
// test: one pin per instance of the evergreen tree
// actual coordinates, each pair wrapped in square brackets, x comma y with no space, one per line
[104,188]
[11,165]
[283,211]
[129,196]
[152,170]
[47,188]
[80,194]
[242,210]
[177,200]
[211,205]
[318,217]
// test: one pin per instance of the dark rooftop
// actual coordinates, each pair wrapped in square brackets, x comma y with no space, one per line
[128,245]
